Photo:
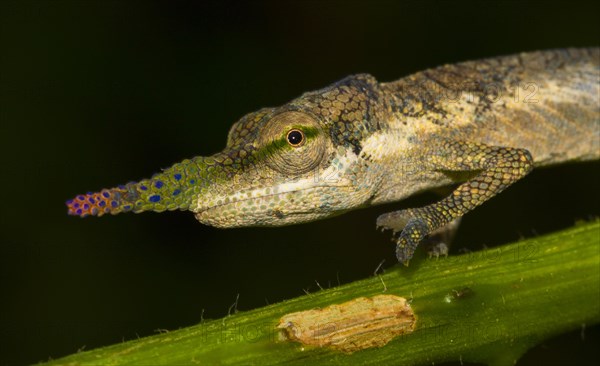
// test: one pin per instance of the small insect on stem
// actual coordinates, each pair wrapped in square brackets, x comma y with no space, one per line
[351,326]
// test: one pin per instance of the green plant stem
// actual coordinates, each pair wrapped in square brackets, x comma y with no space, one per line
[489,306]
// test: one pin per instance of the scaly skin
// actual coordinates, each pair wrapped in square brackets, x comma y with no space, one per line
[358,142]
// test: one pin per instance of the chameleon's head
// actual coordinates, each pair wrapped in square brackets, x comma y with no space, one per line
[292,164]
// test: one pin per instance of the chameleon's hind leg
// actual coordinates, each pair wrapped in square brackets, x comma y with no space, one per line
[497,167]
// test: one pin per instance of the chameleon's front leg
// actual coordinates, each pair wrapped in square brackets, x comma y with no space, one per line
[497,167]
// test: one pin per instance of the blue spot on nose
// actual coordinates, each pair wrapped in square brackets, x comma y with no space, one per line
[154,198]
[158,184]
[176,192]
[177,176]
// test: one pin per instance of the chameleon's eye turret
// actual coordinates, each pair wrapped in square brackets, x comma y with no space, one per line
[292,143]
[295,137]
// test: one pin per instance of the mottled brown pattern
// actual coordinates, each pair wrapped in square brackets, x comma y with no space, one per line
[546,102]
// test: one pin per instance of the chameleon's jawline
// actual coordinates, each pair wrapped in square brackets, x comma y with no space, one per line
[282,215]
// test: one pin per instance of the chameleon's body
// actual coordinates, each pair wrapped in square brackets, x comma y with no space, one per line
[358,142]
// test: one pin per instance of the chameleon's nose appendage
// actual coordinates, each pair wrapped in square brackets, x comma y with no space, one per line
[173,189]
[96,204]
[157,194]
[148,195]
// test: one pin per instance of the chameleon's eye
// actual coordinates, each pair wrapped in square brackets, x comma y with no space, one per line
[294,143]
[296,138]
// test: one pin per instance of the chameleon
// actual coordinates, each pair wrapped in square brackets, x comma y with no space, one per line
[475,126]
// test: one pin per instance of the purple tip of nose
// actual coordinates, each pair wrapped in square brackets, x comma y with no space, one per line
[91,204]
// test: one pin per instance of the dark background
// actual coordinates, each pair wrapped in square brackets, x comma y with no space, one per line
[97,93]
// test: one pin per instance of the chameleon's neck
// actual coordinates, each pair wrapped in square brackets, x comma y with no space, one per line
[546,102]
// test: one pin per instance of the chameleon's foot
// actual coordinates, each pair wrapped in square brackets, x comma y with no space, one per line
[413,233]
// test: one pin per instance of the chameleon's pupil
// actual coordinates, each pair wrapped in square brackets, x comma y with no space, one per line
[295,137]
